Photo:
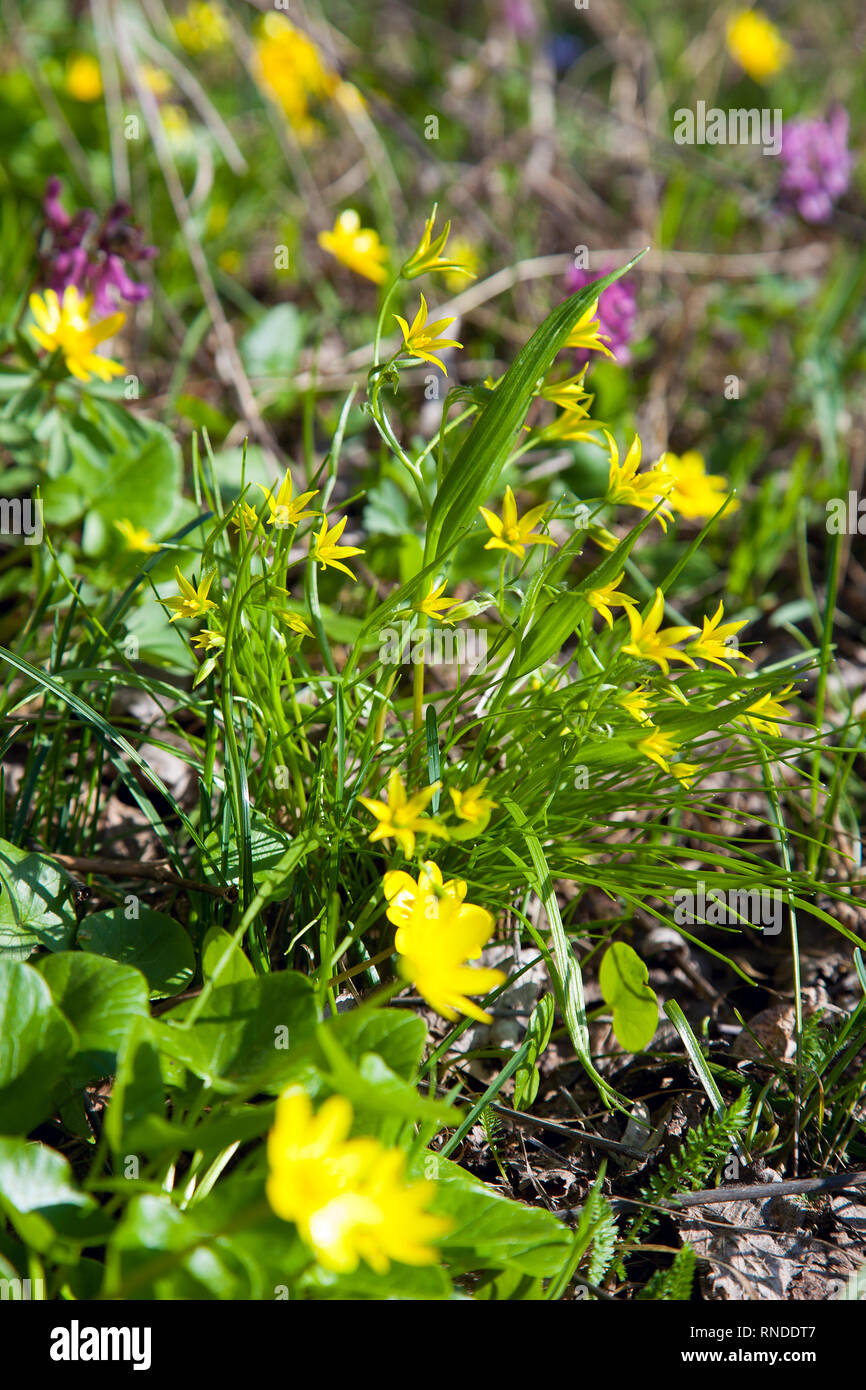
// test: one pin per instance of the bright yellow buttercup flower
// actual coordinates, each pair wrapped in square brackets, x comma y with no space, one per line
[658,746]
[587,333]
[66,325]
[473,808]
[420,338]
[609,596]
[137,538]
[429,254]
[695,492]
[711,645]
[685,772]
[357,247]
[349,1198]
[402,817]
[202,28]
[437,934]
[435,605]
[630,488]
[649,644]
[283,510]
[191,603]
[756,44]
[83,78]
[326,550]
[512,533]
[762,715]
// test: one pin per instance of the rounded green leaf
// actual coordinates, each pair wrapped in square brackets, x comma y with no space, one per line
[100,997]
[152,942]
[35,904]
[623,982]
[36,1041]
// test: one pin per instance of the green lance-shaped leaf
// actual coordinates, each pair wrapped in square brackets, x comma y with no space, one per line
[475,470]
[623,982]
[526,1078]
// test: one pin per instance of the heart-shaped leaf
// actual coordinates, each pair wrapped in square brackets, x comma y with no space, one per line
[623,982]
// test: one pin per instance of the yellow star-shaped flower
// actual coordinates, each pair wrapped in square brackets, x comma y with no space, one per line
[401,817]
[435,605]
[649,644]
[608,596]
[191,603]
[326,550]
[283,510]
[511,533]
[712,643]
[420,339]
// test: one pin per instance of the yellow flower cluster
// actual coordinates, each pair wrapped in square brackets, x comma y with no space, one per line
[349,1198]
[292,72]
[402,817]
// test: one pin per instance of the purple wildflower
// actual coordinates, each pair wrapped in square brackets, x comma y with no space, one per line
[617,309]
[817,164]
[92,255]
[520,17]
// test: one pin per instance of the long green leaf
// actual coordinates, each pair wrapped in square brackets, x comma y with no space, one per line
[475,470]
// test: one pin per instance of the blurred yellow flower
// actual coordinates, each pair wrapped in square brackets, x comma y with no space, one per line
[420,338]
[437,933]
[156,80]
[175,123]
[756,44]
[326,550]
[83,78]
[472,807]
[137,538]
[202,27]
[511,533]
[467,263]
[348,1197]
[649,644]
[66,325]
[292,72]
[355,246]
[401,817]
[695,492]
